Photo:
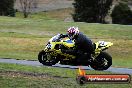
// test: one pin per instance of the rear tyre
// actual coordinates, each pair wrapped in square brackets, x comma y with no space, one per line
[102,62]
[46,58]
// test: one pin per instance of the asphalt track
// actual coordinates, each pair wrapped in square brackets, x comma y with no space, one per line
[36,63]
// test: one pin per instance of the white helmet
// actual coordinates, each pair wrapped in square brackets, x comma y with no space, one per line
[72,32]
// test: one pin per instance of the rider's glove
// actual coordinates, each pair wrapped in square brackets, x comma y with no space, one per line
[63,35]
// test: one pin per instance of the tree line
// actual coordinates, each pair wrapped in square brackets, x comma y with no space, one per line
[91,11]
[7,7]
[95,11]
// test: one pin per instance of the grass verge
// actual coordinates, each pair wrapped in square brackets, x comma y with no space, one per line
[20,76]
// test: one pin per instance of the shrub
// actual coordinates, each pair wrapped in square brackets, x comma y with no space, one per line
[93,11]
[121,14]
[7,8]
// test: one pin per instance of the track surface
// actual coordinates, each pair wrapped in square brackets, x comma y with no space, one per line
[36,63]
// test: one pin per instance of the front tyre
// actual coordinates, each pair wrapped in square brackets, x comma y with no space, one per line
[46,58]
[102,62]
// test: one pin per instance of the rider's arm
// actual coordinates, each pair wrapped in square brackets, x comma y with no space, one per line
[63,35]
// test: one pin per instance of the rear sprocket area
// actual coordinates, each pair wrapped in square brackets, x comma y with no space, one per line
[102,62]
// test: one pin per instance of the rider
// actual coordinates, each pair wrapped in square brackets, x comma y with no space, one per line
[82,43]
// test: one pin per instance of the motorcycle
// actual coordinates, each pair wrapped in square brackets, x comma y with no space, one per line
[53,54]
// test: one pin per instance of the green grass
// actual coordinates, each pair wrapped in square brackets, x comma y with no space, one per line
[20,76]
[24,38]
[59,14]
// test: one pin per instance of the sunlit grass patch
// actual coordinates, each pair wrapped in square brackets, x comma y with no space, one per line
[21,48]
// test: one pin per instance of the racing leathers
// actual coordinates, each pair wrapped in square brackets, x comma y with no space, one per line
[82,45]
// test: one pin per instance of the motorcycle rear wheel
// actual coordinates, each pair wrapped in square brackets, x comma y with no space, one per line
[46,58]
[102,62]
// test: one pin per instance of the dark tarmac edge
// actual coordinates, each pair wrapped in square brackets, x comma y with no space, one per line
[36,63]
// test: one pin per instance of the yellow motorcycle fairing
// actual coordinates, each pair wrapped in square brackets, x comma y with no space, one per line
[66,42]
[101,45]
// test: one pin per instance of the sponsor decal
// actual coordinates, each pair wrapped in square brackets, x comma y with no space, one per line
[83,78]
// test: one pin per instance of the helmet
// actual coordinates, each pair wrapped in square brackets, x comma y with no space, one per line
[72,32]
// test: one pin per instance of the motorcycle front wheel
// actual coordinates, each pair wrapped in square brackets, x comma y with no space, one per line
[102,62]
[46,58]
